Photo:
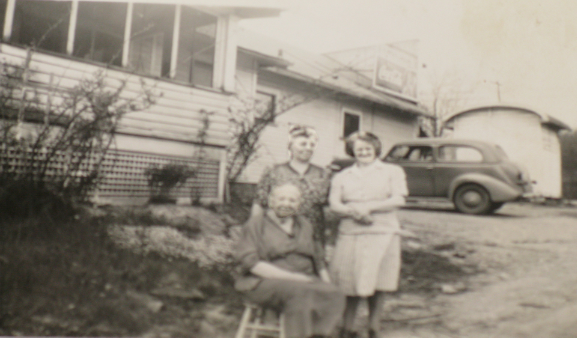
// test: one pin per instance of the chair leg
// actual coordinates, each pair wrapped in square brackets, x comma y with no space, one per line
[282,333]
[257,320]
[253,320]
[243,322]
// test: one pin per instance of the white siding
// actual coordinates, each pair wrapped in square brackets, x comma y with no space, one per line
[326,116]
[521,135]
[245,75]
[392,128]
[323,115]
[175,116]
[164,132]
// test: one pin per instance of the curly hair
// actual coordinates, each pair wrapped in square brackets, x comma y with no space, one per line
[299,130]
[366,136]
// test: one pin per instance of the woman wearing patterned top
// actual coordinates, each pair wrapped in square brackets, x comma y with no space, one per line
[312,180]
[367,255]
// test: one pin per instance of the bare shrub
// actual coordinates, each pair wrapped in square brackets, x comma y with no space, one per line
[52,149]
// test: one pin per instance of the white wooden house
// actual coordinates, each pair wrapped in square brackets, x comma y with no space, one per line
[193,53]
[268,69]
[186,48]
[528,137]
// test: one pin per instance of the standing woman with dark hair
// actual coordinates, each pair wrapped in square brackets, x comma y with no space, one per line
[311,179]
[367,256]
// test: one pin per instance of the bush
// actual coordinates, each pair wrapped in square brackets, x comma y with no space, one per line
[31,209]
[51,155]
[163,179]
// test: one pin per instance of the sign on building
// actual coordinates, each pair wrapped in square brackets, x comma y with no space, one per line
[396,72]
[391,68]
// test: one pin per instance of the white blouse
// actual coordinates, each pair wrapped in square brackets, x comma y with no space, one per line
[377,181]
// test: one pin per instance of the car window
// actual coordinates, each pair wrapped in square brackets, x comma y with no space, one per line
[459,154]
[411,153]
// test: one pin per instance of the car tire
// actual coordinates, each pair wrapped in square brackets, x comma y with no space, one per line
[472,199]
[496,205]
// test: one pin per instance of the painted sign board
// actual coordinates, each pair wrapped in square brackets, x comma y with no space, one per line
[396,73]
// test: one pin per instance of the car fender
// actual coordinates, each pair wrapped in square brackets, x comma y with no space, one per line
[498,190]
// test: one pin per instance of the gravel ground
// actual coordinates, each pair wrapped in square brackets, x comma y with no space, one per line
[527,285]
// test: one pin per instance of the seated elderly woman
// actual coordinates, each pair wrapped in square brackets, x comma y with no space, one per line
[282,270]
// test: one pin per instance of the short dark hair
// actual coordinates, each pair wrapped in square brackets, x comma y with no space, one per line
[366,136]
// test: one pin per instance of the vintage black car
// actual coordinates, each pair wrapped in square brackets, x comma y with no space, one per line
[476,176]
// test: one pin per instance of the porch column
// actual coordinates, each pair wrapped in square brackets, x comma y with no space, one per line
[225,53]
[72,27]
[175,41]
[127,34]
[9,19]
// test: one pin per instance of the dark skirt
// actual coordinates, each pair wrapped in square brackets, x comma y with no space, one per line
[312,308]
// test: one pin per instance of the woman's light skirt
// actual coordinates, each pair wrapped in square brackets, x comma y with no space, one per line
[365,263]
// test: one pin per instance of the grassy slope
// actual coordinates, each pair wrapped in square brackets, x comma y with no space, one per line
[70,279]
[77,282]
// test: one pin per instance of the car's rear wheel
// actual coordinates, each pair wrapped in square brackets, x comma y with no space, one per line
[496,205]
[472,199]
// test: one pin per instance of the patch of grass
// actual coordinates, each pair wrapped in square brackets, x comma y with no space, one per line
[422,271]
[77,282]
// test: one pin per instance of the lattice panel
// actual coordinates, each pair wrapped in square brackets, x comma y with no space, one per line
[123,172]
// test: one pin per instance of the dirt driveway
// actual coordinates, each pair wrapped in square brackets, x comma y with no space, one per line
[527,284]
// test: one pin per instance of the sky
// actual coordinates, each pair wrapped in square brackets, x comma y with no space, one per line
[523,52]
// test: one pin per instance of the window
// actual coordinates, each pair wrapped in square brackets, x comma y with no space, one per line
[411,153]
[265,104]
[351,123]
[460,154]
[196,47]
[151,41]
[43,24]
[100,31]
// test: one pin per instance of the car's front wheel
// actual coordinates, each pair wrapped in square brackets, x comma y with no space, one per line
[472,199]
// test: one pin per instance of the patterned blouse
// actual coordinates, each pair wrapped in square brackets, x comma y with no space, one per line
[314,185]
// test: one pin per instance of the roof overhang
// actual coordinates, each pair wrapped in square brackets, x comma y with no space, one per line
[242,8]
[381,99]
[265,60]
[546,119]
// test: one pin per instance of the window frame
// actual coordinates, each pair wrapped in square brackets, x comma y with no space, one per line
[271,94]
[411,149]
[344,112]
[221,25]
[456,161]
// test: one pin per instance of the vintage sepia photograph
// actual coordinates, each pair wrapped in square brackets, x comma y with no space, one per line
[288,168]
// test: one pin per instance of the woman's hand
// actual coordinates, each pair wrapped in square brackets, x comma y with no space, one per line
[299,277]
[361,214]
[324,275]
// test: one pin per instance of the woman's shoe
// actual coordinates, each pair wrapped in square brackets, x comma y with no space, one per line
[372,333]
[347,334]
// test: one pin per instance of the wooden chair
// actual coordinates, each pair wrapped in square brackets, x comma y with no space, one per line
[257,322]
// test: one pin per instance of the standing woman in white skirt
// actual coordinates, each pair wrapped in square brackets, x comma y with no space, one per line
[367,255]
